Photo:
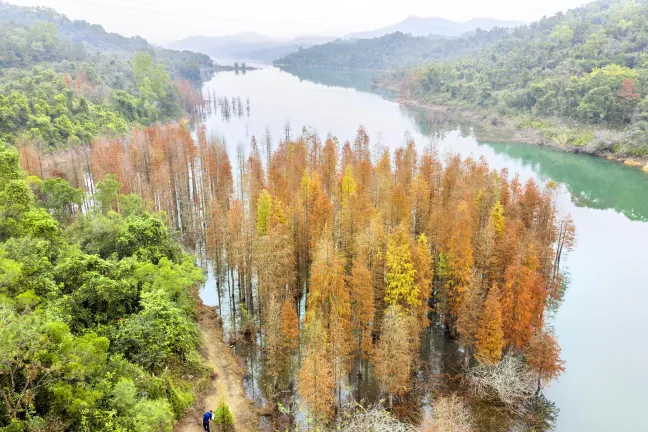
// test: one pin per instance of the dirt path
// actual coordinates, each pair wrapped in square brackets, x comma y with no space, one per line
[227,378]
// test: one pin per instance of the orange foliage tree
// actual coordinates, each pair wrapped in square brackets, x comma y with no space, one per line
[374,242]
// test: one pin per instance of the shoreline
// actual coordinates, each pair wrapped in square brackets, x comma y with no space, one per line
[507,130]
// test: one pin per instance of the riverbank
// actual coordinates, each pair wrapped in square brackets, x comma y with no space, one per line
[493,127]
[226,381]
[515,130]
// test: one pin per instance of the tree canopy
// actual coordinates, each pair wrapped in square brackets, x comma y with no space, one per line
[587,65]
[96,315]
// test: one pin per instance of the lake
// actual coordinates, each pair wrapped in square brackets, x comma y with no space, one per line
[602,325]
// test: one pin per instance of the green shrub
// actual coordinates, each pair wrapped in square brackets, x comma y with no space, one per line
[223,415]
[180,401]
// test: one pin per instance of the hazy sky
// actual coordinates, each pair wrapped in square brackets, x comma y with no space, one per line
[167,20]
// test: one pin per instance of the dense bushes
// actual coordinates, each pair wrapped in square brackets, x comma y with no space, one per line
[90,342]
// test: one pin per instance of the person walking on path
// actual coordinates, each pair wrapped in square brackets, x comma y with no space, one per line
[206,418]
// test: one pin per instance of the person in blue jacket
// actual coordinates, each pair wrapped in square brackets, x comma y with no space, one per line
[206,417]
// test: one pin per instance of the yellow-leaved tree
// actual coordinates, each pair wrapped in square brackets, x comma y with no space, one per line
[401,274]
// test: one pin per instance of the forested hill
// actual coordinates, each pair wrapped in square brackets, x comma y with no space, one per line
[56,91]
[392,51]
[93,37]
[589,65]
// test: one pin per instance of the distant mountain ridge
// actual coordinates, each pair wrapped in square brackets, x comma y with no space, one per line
[417,26]
[246,46]
[255,46]
[391,51]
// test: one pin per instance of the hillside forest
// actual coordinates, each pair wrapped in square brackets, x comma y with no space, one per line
[58,92]
[569,76]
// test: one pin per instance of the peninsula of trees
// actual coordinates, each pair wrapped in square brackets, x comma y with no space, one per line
[377,243]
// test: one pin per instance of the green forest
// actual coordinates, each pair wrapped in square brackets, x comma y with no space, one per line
[585,67]
[96,310]
[58,91]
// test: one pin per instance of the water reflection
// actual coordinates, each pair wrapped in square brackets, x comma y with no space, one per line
[359,80]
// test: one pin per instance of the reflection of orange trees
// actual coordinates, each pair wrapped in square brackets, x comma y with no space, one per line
[362,235]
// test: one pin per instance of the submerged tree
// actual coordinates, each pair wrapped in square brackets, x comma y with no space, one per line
[490,336]
[316,381]
[395,352]
[362,307]
[543,356]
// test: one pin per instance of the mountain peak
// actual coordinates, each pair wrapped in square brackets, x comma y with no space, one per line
[420,26]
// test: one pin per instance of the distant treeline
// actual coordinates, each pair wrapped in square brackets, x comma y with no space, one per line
[392,51]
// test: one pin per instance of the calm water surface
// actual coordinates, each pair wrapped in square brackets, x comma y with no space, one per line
[602,325]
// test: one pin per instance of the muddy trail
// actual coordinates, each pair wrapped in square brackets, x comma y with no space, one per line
[226,380]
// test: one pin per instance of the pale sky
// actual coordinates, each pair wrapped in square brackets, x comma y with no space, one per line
[168,20]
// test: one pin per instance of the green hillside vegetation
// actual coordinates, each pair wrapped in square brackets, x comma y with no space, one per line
[70,103]
[392,51]
[57,92]
[588,66]
[97,316]
[94,38]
